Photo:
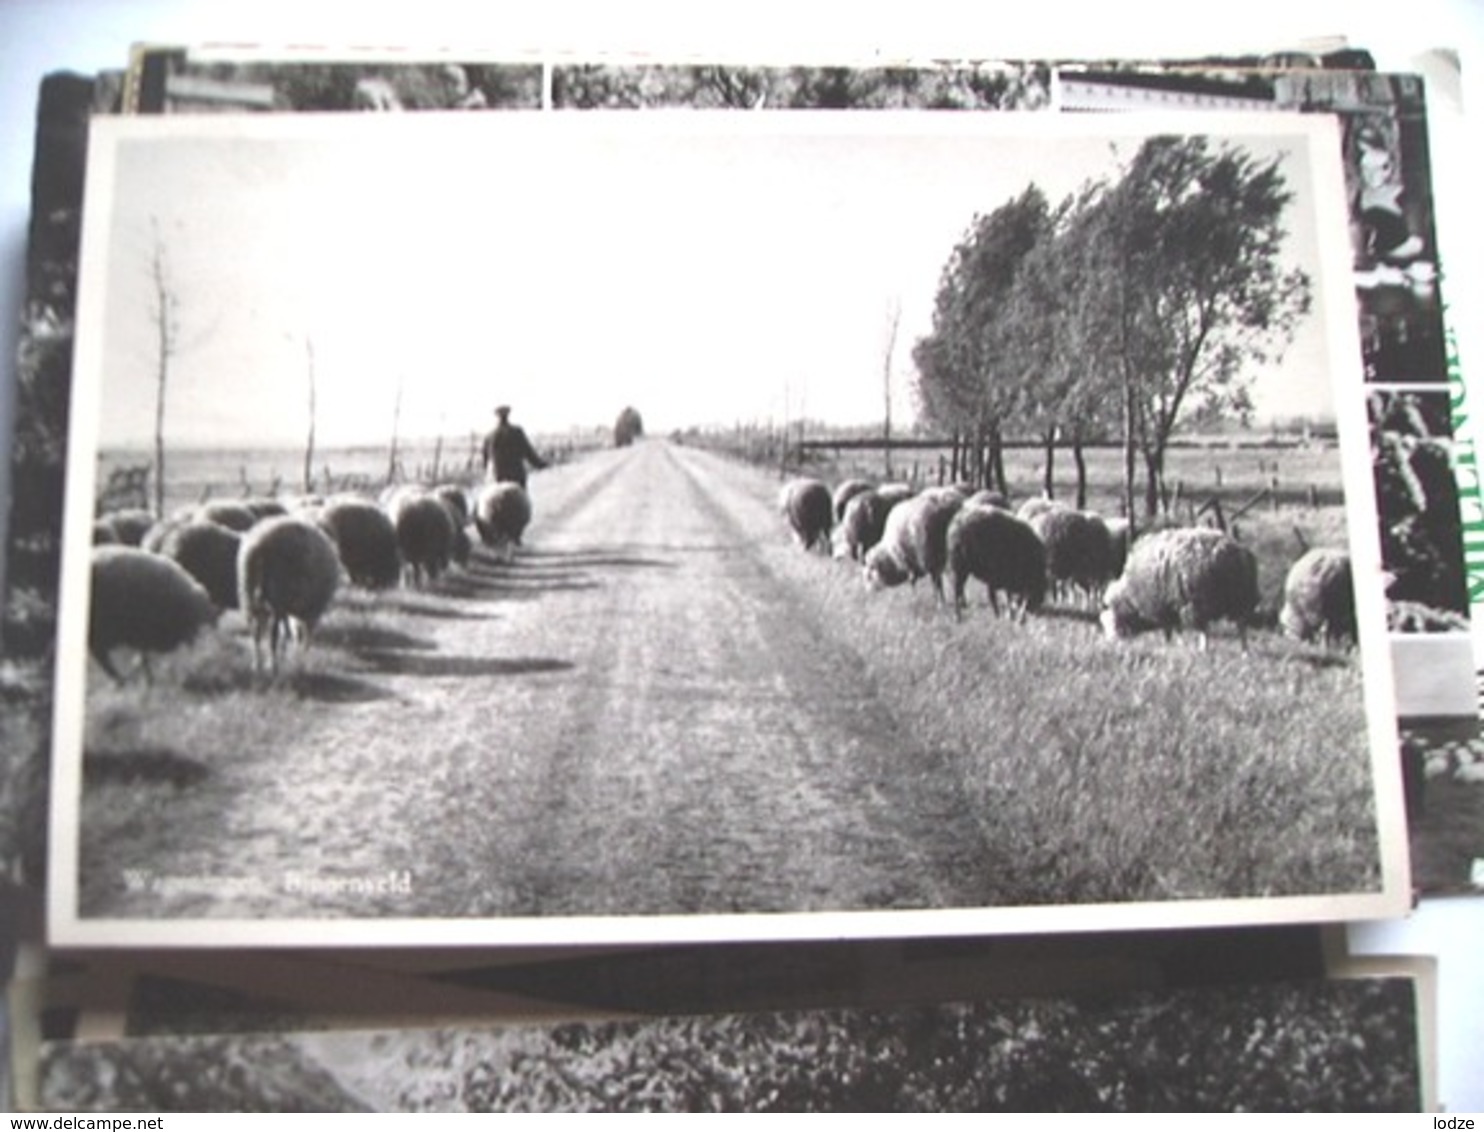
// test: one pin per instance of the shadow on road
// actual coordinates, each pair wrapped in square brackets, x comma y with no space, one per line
[331,689]
[415,664]
[146,766]
[448,586]
[359,638]
[602,557]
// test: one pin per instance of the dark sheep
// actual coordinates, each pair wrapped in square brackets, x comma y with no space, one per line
[810,511]
[366,540]
[144,602]
[208,552]
[266,507]
[1319,598]
[1003,552]
[1183,578]
[914,542]
[425,537]
[234,516]
[844,492]
[130,524]
[1079,551]
[288,573]
[861,527]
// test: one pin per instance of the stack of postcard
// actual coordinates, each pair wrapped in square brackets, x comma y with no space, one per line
[829,609]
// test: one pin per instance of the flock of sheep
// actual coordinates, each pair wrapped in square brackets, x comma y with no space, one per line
[156,583]
[1185,577]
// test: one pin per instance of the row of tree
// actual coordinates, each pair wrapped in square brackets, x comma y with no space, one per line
[1141,302]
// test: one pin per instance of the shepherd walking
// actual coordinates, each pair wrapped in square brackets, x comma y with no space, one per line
[507,451]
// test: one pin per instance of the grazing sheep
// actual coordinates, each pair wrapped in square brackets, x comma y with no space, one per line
[861,526]
[457,500]
[501,513]
[288,572]
[425,536]
[366,540]
[844,493]
[208,552]
[987,498]
[895,493]
[807,506]
[129,525]
[1319,598]
[144,602]
[234,516]
[266,507]
[1079,552]
[1003,552]
[914,542]
[1183,577]
[1040,505]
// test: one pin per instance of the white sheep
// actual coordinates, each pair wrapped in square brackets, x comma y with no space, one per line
[144,602]
[288,573]
[914,542]
[1319,597]
[1003,552]
[1184,577]
[502,511]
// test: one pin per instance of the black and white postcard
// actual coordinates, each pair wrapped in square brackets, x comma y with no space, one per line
[458,545]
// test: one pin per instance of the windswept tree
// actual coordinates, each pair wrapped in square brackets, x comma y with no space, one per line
[967,372]
[1194,284]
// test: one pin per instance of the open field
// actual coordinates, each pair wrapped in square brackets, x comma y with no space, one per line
[663,706]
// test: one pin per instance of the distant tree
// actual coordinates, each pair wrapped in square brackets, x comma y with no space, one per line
[628,428]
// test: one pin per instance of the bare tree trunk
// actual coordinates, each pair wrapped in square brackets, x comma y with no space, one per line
[1079,457]
[165,328]
[1129,472]
[891,345]
[309,441]
[996,461]
[391,464]
[1048,477]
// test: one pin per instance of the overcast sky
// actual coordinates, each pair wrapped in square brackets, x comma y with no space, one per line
[702,267]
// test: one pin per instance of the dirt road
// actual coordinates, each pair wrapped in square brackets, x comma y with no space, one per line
[636,715]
